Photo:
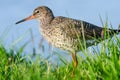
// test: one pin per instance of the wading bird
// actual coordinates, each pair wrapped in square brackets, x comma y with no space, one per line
[66,33]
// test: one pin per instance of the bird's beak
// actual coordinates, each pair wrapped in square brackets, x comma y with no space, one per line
[28,18]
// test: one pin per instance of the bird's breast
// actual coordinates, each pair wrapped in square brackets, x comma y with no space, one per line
[58,38]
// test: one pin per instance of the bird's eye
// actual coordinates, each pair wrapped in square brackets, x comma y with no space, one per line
[37,11]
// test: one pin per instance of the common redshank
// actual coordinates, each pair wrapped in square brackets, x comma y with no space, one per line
[66,33]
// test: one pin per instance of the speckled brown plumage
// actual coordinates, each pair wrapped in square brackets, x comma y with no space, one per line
[66,33]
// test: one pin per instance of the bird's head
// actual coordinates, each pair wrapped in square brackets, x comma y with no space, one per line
[41,13]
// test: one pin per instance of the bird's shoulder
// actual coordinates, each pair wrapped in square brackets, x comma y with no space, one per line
[70,22]
[61,19]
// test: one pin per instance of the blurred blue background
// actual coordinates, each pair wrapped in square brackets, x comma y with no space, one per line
[12,11]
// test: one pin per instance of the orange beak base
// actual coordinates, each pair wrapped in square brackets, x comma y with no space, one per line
[28,18]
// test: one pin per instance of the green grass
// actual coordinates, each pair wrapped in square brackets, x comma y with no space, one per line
[103,65]
[99,66]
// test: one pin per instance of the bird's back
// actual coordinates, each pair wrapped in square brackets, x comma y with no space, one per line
[76,28]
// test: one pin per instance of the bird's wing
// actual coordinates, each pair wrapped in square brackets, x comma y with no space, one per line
[76,28]
[83,30]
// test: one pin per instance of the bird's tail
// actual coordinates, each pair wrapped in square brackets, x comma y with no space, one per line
[115,30]
[110,32]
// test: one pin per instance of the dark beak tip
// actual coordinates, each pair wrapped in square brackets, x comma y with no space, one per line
[20,21]
[16,23]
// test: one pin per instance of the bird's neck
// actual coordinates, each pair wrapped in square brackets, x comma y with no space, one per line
[45,20]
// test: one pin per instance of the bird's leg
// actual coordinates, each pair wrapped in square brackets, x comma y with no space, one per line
[75,63]
[74,59]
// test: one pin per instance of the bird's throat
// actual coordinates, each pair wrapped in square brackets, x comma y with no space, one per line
[46,20]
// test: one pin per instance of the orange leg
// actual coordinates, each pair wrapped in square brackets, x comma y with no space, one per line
[75,63]
[74,59]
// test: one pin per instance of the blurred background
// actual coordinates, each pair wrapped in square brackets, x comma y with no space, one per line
[15,36]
